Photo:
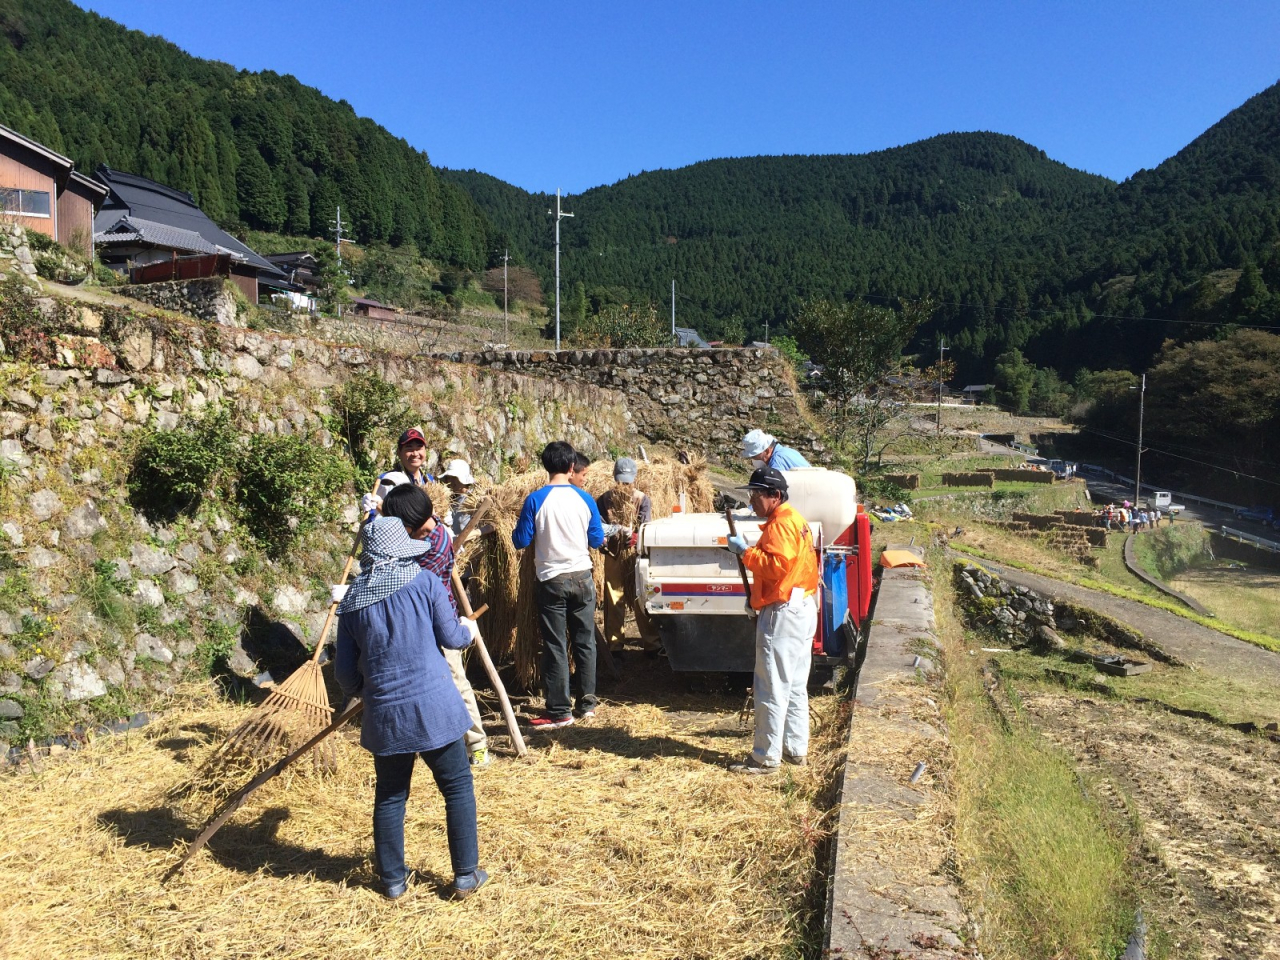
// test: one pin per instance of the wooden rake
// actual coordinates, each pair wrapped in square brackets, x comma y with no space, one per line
[295,710]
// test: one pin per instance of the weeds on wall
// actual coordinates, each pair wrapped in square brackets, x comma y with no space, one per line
[368,407]
[286,486]
[174,470]
[27,333]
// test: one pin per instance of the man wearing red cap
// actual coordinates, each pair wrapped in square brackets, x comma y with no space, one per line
[412,454]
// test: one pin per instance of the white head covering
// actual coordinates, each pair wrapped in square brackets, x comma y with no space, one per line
[756,442]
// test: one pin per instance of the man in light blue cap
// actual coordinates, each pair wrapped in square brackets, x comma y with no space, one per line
[764,450]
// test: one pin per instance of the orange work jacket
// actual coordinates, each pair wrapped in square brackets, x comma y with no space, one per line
[783,559]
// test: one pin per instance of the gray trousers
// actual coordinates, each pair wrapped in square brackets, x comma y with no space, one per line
[784,652]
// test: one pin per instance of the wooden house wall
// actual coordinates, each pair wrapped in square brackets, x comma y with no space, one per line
[75,218]
[21,169]
[246,278]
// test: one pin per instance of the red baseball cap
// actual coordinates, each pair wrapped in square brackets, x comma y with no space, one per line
[413,433]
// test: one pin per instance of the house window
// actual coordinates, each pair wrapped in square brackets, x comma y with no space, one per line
[25,203]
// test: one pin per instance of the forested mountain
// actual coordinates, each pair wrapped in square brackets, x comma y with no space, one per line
[1018,250]
[254,148]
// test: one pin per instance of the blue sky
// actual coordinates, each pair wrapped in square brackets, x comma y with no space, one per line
[577,94]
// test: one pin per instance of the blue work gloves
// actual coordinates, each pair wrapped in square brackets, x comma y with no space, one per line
[736,545]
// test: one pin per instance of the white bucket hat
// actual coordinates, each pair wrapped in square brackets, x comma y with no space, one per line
[460,470]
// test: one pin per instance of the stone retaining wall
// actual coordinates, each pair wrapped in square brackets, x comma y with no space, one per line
[212,299]
[66,427]
[697,400]
[15,255]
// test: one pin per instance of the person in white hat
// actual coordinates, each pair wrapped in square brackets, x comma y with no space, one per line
[459,479]
[764,450]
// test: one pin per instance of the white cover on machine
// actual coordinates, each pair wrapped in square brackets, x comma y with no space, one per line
[825,497]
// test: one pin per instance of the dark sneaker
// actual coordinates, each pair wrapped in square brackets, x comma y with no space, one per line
[752,767]
[464,887]
[551,723]
[587,714]
[795,761]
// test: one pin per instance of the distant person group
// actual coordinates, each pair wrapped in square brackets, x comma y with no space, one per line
[1130,517]
[400,636]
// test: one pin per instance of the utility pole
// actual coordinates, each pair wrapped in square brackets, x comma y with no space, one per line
[1142,411]
[336,223]
[673,310]
[506,333]
[559,215]
[942,349]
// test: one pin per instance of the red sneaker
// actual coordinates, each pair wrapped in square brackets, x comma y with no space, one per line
[550,723]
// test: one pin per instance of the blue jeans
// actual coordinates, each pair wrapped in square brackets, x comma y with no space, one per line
[452,769]
[567,616]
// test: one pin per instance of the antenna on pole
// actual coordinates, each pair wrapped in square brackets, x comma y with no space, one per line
[559,215]
[336,225]
[673,309]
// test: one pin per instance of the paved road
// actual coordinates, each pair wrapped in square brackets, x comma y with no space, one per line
[1208,649]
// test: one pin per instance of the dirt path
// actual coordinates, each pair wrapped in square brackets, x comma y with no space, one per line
[1208,806]
[1206,648]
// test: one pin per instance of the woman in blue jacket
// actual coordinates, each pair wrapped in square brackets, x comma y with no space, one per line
[392,623]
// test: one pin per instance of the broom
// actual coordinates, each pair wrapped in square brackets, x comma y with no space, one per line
[297,709]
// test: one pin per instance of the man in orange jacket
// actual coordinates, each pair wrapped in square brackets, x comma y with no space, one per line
[784,588]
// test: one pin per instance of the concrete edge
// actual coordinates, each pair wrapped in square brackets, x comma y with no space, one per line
[1131,561]
[873,910]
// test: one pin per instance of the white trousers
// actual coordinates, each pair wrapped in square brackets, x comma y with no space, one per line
[475,737]
[784,649]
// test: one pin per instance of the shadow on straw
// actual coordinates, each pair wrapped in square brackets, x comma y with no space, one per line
[623,744]
[247,848]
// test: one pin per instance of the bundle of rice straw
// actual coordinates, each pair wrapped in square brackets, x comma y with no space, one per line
[506,578]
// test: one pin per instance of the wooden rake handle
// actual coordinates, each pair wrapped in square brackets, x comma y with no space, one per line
[346,572]
[464,602]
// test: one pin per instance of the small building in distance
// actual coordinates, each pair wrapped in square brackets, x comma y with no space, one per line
[42,191]
[153,232]
[689,337]
[364,307]
[300,283]
[975,392]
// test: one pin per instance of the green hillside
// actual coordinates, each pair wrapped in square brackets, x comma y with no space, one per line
[1019,250]
[257,149]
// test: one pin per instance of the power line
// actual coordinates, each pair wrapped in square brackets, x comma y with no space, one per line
[1178,456]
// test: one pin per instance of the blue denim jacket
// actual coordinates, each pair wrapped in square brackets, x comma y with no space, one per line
[388,653]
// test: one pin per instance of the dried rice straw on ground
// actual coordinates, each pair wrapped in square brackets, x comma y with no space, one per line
[622,837]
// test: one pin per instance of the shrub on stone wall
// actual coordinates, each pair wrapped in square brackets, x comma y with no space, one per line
[368,406]
[174,470]
[286,486]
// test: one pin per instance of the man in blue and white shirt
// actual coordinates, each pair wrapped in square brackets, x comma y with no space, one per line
[563,525]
